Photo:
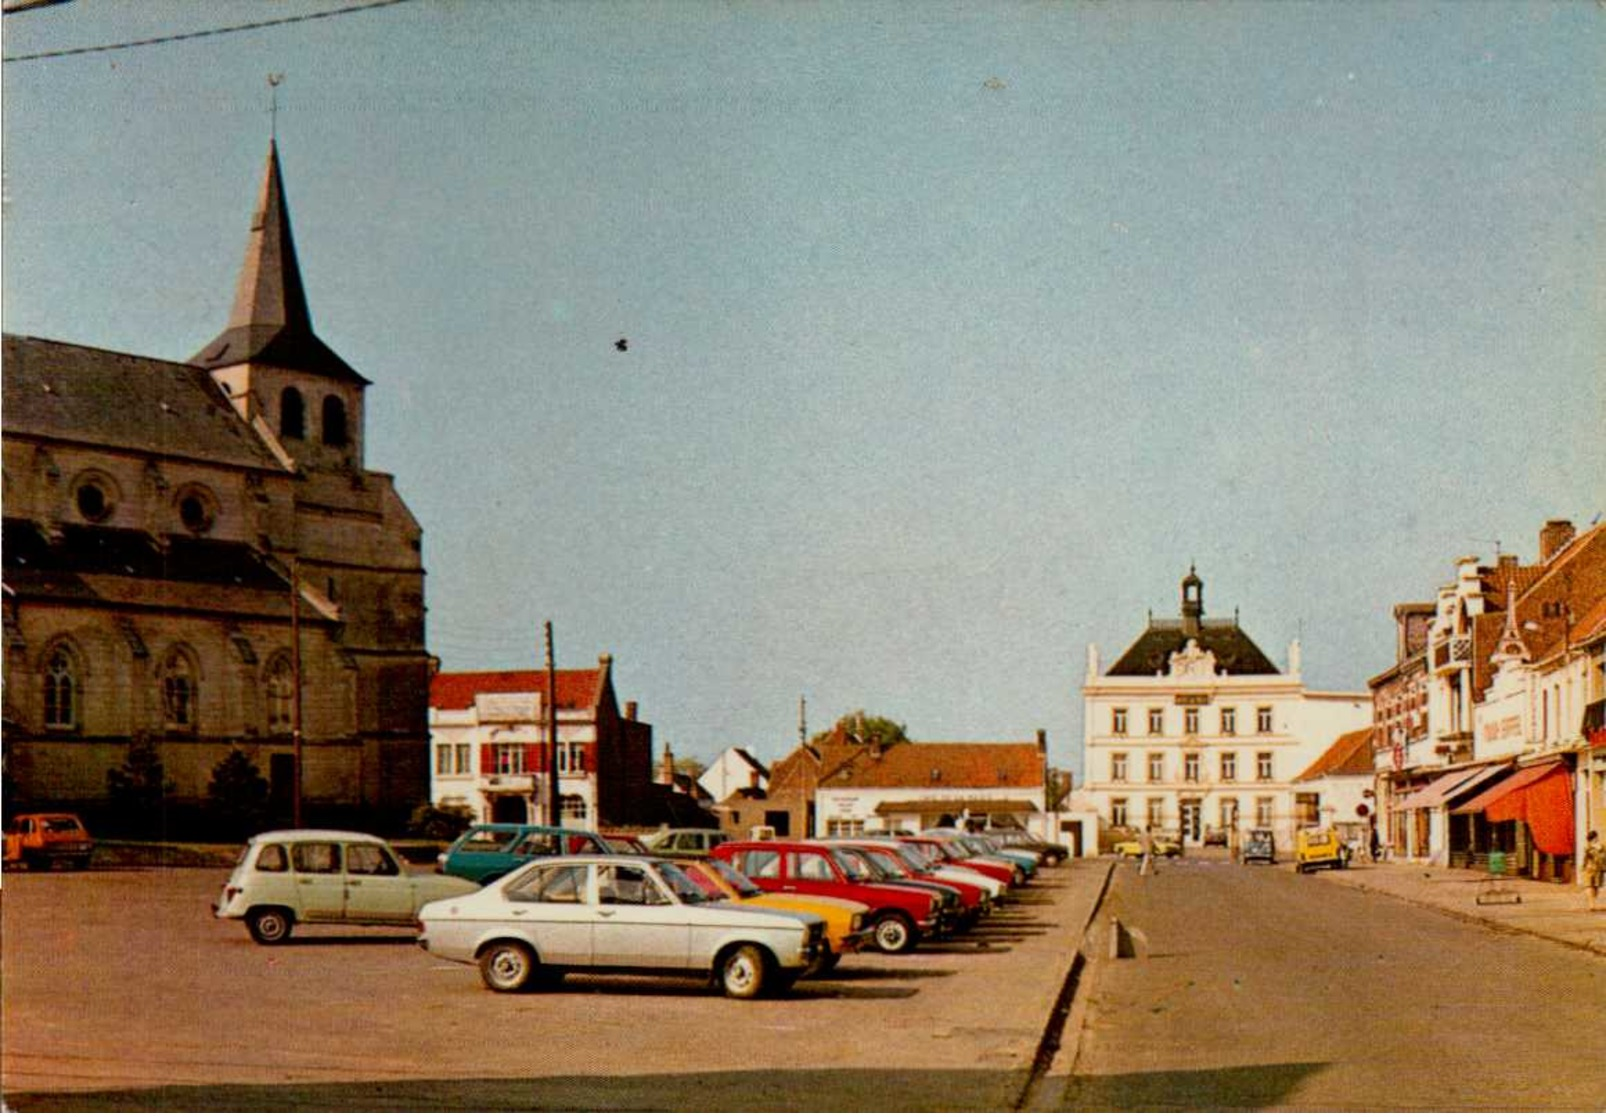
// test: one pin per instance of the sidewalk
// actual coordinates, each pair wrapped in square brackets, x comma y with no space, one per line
[1549,911]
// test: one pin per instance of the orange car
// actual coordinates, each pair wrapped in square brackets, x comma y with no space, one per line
[42,840]
[844,919]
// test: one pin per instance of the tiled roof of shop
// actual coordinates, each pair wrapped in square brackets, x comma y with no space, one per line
[1350,755]
[456,690]
[921,764]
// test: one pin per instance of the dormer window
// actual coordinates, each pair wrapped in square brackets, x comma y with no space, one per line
[334,421]
[292,414]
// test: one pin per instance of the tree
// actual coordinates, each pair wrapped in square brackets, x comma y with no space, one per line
[690,766]
[866,729]
[1058,788]
[139,789]
[238,794]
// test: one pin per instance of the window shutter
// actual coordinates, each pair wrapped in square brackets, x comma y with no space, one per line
[487,759]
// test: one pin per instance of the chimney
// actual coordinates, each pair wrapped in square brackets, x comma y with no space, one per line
[1555,535]
[752,778]
[630,711]
[1042,740]
[666,766]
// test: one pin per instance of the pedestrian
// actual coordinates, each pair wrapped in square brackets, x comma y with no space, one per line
[1594,866]
[1147,866]
[1376,847]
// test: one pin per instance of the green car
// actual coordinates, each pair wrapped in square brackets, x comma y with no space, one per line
[493,849]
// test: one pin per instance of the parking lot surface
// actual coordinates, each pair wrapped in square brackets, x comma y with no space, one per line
[121,991]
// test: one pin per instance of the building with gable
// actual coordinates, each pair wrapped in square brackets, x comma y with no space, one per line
[733,770]
[197,559]
[1337,788]
[488,735]
[1194,727]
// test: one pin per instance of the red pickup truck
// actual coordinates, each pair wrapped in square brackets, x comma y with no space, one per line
[42,840]
[899,915]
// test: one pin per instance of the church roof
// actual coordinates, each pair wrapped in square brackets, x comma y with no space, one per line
[117,400]
[1235,652]
[270,323]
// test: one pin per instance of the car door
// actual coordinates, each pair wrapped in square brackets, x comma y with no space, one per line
[377,888]
[638,924]
[320,885]
[551,900]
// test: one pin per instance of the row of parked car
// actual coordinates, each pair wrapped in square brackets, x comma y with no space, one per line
[526,904]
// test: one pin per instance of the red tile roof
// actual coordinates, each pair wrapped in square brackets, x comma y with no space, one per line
[577,690]
[1350,755]
[919,764]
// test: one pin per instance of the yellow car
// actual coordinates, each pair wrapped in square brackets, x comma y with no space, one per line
[1133,847]
[1319,847]
[845,932]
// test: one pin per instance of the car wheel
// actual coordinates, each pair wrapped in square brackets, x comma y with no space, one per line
[744,973]
[1018,877]
[269,925]
[894,934]
[507,967]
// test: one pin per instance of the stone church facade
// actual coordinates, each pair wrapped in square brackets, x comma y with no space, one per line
[156,517]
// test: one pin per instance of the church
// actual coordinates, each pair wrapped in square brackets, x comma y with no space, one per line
[197,561]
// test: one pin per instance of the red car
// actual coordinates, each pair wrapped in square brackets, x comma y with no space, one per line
[899,916]
[948,853]
[889,863]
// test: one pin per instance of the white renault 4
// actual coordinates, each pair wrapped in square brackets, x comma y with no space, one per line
[286,877]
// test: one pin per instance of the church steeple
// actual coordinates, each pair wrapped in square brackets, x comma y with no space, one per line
[270,323]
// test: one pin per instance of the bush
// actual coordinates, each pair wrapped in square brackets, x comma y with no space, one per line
[139,791]
[238,796]
[440,823]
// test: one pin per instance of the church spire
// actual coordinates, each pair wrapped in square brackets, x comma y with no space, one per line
[270,323]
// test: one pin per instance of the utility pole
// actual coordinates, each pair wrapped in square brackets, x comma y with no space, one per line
[295,692]
[551,730]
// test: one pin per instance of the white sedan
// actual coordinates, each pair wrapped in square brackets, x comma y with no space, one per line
[617,914]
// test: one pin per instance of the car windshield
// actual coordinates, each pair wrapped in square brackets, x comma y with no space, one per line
[733,876]
[887,863]
[684,888]
[915,857]
[853,866]
[59,825]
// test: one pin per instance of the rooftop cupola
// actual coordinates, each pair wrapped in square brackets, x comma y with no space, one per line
[1192,603]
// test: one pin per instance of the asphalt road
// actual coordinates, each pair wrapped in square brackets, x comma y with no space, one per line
[122,992]
[1254,988]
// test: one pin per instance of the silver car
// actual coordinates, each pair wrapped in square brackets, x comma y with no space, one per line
[285,877]
[621,915]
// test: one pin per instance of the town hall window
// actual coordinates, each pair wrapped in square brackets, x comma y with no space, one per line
[1263,766]
[1118,721]
[61,691]
[1229,767]
[1118,767]
[1156,723]
[1117,812]
[1229,721]
[292,414]
[1263,719]
[1190,721]
[1156,767]
[334,421]
[1190,767]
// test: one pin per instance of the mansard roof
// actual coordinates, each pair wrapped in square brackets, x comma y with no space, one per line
[1236,654]
[270,323]
[72,393]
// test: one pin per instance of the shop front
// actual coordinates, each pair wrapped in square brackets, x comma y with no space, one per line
[1527,818]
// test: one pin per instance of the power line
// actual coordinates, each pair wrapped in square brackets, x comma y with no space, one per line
[183,35]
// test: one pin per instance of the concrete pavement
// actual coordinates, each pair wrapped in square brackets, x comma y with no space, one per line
[1549,911]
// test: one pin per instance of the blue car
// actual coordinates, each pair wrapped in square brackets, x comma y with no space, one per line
[493,849]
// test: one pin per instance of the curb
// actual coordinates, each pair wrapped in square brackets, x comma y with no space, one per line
[1055,1057]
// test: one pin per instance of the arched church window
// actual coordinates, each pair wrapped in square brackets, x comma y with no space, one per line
[292,414]
[61,691]
[280,689]
[178,691]
[334,421]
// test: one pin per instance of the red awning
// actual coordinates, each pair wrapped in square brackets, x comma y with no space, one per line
[1445,788]
[1541,796]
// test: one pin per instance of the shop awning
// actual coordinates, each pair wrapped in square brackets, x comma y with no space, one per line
[1446,787]
[1541,796]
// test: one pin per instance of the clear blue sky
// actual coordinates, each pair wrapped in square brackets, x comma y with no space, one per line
[957,332]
